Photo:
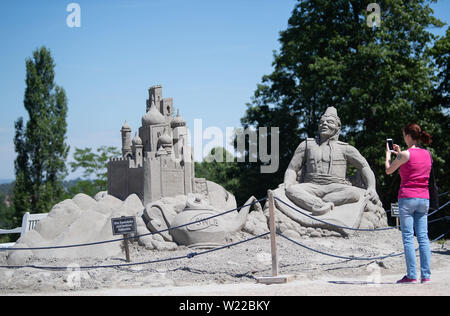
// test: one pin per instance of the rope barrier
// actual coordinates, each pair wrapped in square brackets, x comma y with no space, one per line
[351,228]
[335,225]
[440,208]
[187,256]
[194,254]
[353,258]
[201,220]
[441,236]
[132,237]
[337,256]
[447,218]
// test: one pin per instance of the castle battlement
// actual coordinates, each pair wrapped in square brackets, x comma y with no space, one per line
[115,159]
[151,164]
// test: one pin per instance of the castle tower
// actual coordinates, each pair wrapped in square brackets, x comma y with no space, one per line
[180,134]
[137,150]
[164,105]
[166,108]
[126,140]
[154,95]
[153,124]
[166,142]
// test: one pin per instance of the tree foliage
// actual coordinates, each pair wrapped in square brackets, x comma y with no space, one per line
[94,169]
[225,173]
[378,78]
[6,217]
[40,142]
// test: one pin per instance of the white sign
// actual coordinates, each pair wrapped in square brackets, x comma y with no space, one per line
[394,210]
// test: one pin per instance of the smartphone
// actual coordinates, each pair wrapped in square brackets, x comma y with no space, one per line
[390,144]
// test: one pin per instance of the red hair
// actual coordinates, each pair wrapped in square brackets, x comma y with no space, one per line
[417,133]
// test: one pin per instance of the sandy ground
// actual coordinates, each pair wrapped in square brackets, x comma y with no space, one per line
[327,286]
[234,271]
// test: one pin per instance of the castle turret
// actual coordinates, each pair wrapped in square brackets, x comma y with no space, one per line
[165,140]
[137,150]
[126,140]
[164,105]
[180,134]
[153,124]
[154,96]
[153,116]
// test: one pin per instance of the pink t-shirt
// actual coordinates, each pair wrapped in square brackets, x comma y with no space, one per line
[415,174]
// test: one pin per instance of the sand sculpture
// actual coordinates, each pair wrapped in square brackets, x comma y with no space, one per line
[158,161]
[154,181]
[158,166]
[316,183]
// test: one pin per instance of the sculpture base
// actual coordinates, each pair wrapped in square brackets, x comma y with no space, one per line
[348,215]
[279,279]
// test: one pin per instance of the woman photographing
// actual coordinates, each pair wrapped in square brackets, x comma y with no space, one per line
[413,198]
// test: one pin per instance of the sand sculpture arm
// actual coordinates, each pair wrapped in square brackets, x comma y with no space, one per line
[290,176]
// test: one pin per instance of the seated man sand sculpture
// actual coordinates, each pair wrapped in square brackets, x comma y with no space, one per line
[324,177]
[315,181]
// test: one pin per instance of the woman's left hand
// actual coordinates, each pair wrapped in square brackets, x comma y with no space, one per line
[397,149]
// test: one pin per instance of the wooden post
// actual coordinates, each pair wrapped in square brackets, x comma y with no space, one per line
[272,228]
[127,248]
[275,278]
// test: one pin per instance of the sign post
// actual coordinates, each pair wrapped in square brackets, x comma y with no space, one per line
[395,213]
[125,225]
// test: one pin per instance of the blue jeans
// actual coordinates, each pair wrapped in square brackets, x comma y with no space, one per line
[414,216]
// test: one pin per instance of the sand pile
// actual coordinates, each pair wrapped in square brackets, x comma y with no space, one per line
[76,221]
[85,220]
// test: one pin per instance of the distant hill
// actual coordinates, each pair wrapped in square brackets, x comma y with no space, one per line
[6,188]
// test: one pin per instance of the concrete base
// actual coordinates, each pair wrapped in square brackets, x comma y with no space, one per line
[279,279]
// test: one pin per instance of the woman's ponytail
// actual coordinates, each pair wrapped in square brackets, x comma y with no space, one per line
[416,133]
[425,138]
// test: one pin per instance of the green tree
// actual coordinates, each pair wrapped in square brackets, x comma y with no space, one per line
[225,173]
[95,177]
[379,79]
[6,218]
[40,144]
[440,53]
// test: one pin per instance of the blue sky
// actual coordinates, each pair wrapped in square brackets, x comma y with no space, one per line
[208,55]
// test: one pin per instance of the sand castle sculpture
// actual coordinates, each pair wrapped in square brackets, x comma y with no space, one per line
[158,166]
[157,162]
[154,181]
